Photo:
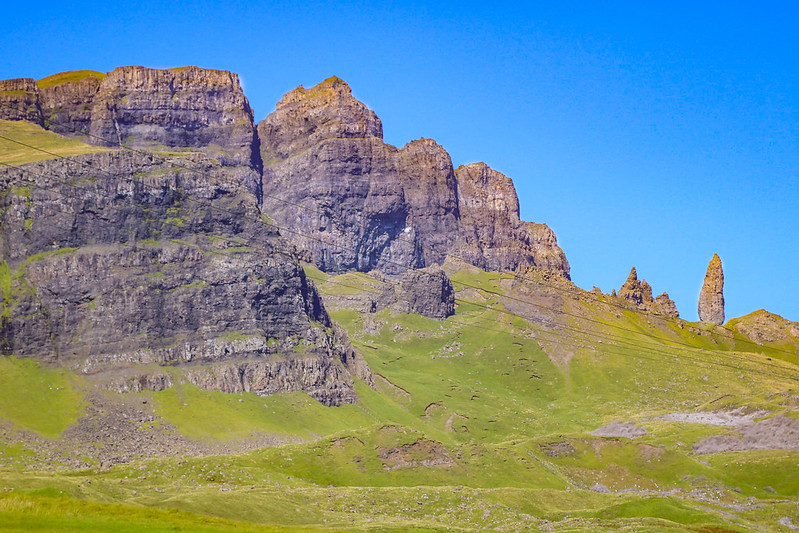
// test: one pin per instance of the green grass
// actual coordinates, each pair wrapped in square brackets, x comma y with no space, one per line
[215,415]
[68,76]
[478,422]
[37,398]
[22,512]
[37,139]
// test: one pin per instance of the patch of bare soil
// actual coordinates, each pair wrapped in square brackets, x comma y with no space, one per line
[735,417]
[557,449]
[428,411]
[627,430]
[423,452]
[647,452]
[777,433]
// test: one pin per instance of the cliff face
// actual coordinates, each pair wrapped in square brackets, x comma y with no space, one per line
[119,259]
[711,298]
[183,109]
[19,100]
[493,235]
[115,260]
[355,202]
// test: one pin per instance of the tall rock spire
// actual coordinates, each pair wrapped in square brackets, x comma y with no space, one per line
[711,299]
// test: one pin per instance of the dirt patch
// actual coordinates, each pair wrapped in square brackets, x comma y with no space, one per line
[627,430]
[778,433]
[428,411]
[455,423]
[344,441]
[423,452]
[647,452]
[557,449]
[735,417]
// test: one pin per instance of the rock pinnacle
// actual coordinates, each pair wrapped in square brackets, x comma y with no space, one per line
[711,299]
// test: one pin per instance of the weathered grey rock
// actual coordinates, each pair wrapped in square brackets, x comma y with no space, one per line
[763,327]
[183,108]
[172,267]
[711,299]
[356,203]
[494,236]
[19,100]
[427,291]
[180,109]
[639,293]
[66,102]
[666,306]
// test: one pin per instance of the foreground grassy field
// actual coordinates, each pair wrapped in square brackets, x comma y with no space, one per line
[484,421]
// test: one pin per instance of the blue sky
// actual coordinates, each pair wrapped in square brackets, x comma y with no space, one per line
[647,136]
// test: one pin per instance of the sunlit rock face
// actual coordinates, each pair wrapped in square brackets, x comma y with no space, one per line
[356,203]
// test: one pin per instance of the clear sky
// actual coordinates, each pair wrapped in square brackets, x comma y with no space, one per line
[644,136]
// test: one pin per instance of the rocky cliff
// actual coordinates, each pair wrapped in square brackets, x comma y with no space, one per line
[356,203]
[182,109]
[711,298]
[118,260]
[639,293]
[19,100]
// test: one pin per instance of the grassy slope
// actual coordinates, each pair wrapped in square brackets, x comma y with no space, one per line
[461,429]
[68,76]
[33,135]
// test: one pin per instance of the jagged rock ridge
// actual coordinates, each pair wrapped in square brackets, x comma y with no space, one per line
[711,298]
[639,293]
[356,203]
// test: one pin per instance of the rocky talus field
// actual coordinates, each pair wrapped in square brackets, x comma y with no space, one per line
[208,324]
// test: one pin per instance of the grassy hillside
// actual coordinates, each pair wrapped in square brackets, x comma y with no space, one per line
[49,144]
[484,421]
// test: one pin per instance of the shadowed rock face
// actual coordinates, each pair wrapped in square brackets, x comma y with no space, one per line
[67,107]
[19,100]
[356,203]
[427,291]
[173,267]
[711,298]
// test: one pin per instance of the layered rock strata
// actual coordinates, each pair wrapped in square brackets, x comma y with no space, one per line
[120,258]
[180,109]
[711,298]
[639,293]
[356,203]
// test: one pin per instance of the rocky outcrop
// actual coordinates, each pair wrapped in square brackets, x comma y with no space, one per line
[427,291]
[19,100]
[639,293]
[494,236]
[356,203]
[711,298]
[763,327]
[181,109]
[118,259]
